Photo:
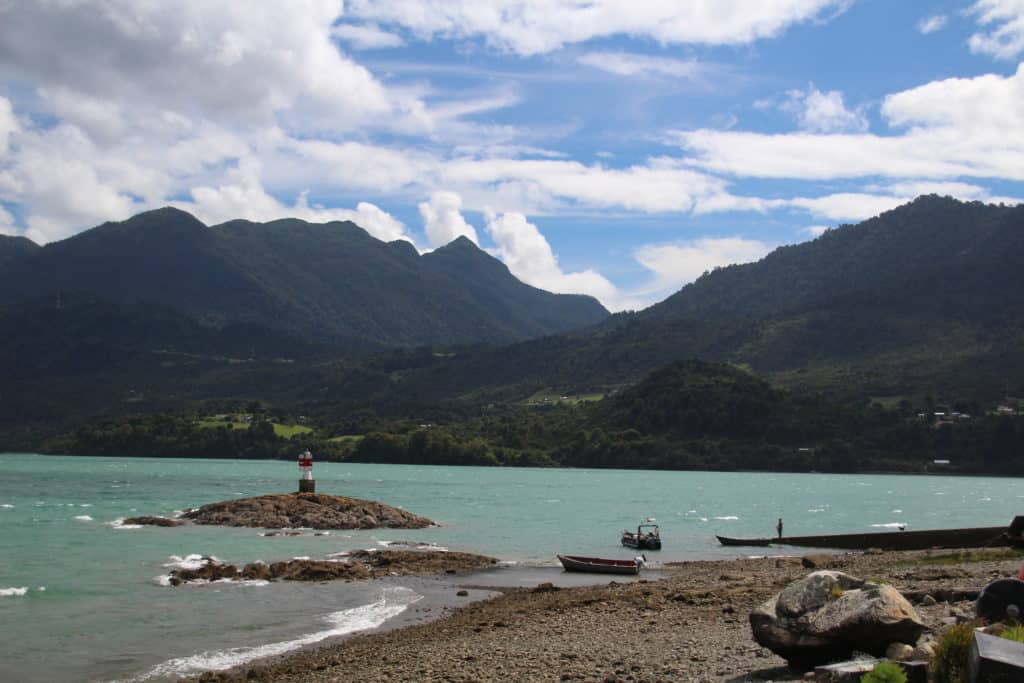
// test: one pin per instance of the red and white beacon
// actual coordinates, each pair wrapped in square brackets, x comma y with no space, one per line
[306,482]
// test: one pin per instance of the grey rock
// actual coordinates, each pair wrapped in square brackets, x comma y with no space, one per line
[827,615]
[899,652]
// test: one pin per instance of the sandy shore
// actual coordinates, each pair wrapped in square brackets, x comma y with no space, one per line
[685,622]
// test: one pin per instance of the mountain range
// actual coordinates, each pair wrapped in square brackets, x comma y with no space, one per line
[332,283]
[921,299]
[161,311]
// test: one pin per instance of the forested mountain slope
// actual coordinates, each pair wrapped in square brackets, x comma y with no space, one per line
[330,282]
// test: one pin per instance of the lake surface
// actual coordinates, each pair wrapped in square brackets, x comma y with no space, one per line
[83,597]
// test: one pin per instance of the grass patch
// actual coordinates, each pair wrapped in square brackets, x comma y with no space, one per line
[232,422]
[949,664]
[1014,633]
[216,423]
[350,439]
[989,555]
[289,431]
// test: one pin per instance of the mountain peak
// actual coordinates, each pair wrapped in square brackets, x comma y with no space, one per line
[461,243]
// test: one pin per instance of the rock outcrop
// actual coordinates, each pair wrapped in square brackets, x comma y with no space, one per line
[151,520]
[310,510]
[827,615]
[361,564]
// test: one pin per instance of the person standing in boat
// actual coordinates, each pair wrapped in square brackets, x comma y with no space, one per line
[778,527]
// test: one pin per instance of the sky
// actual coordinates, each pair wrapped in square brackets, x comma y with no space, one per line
[617,148]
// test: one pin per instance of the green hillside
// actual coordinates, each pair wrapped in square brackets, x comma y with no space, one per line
[922,299]
[15,248]
[327,282]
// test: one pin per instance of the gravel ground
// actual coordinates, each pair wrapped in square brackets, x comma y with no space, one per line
[687,622]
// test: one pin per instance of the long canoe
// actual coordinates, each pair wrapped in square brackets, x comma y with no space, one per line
[599,565]
[977,537]
[726,540]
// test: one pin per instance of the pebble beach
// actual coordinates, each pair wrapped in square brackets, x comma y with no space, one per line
[680,622]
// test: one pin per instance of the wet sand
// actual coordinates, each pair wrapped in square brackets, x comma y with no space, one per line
[685,622]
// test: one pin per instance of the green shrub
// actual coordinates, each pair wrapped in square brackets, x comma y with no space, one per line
[1015,633]
[949,664]
[885,672]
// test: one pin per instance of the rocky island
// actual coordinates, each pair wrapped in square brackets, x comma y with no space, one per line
[309,510]
[359,564]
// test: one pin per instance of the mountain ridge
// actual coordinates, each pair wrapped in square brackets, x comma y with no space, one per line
[332,282]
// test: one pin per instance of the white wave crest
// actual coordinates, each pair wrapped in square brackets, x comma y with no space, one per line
[393,601]
[83,518]
[119,524]
[7,592]
[192,561]
[6,506]
[727,517]
[891,525]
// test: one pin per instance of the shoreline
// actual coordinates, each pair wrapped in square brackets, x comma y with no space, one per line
[685,621]
[925,473]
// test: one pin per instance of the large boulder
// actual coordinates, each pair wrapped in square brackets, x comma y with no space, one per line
[828,615]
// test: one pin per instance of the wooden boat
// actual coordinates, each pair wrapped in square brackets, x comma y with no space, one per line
[725,540]
[600,565]
[977,537]
[647,536]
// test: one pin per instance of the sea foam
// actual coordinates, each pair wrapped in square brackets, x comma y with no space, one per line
[193,561]
[891,525]
[7,592]
[83,518]
[393,601]
[119,524]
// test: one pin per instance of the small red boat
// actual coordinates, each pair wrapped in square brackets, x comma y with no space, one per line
[600,565]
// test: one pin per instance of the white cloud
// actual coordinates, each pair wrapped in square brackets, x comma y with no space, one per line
[8,125]
[222,60]
[528,27]
[7,226]
[674,265]
[958,127]
[1005,39]
[63,178]
[659,185]
[443,221]
[626,64]
[912,188]
[530,258]
[1009,201]
[366,37]
[243,196]
[816,230]
[846,205]
[932,24]
[820,112]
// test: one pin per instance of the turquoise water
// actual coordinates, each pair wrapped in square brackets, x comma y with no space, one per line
[73,582]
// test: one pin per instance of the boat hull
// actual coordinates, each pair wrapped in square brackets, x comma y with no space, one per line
[598,565]
[976,537]
[630,541]
[726,540]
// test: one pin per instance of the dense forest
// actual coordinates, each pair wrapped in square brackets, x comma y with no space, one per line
[689,415]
